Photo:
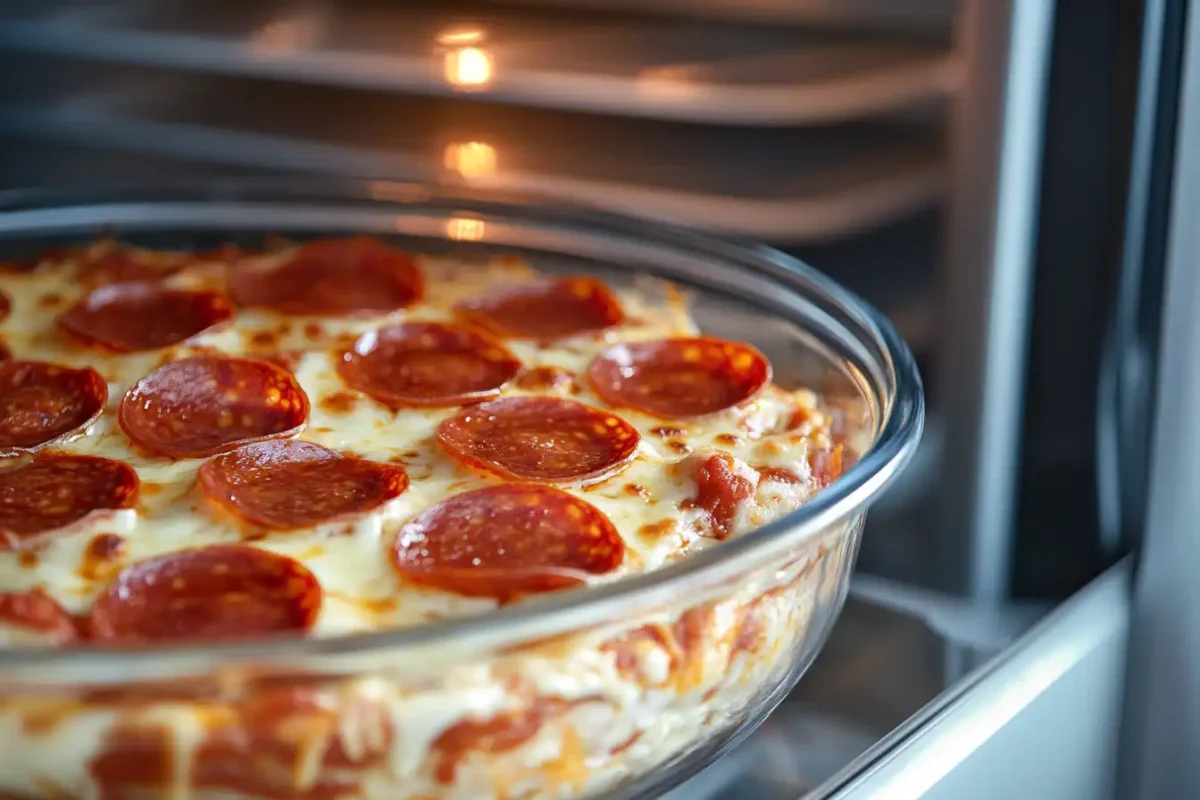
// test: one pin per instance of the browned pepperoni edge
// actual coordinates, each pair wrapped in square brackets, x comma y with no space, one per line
[128,317]
[506,541]
[331,278]
[222,591]
[289,484]
[43,403]
[203,424]
[427,364]
[545,309]
[679,378]
[540,439]
[54,490]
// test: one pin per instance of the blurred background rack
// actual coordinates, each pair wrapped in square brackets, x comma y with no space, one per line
[963,164]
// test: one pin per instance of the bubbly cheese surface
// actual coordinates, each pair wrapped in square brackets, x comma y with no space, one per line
[573,716]
[647,501]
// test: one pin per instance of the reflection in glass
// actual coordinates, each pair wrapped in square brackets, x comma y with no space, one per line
[470,159]
[465,229]
[461,37]
[468,67]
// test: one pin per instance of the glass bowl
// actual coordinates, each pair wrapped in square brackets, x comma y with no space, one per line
[619,690]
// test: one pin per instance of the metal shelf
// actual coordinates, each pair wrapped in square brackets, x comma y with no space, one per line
[785,186]
[664,69]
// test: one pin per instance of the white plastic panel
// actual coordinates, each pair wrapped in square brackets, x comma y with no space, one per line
[1043,720]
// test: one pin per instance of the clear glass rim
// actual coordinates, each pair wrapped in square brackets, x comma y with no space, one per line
[900,397]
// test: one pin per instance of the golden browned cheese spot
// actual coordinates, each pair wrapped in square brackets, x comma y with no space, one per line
[655,530]
[322,429]
[778,474]
[28,559]
[48,717]
[638,491]
[339,403]
[800,417]
[264,340]
[774,448]
[150,488]
[378,605]
[103,557]
[313,331]
[728,439]
[50,300]
[677,446]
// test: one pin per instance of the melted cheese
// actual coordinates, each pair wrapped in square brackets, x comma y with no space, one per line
[648,502]
[645,501]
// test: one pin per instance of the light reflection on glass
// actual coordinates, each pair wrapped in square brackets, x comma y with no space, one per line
[465,229]
[470,159]
[468,67]
[461,37]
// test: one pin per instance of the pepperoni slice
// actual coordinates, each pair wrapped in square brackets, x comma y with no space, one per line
[52,491]
[202,406]
[539,438]
[5,353]
[37,612]
[545,310]
[42,403]
[508,540]
[331,278]
[679,378]
[427,364]
[143,316]
[5,306]
[293,484]
[221,591]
